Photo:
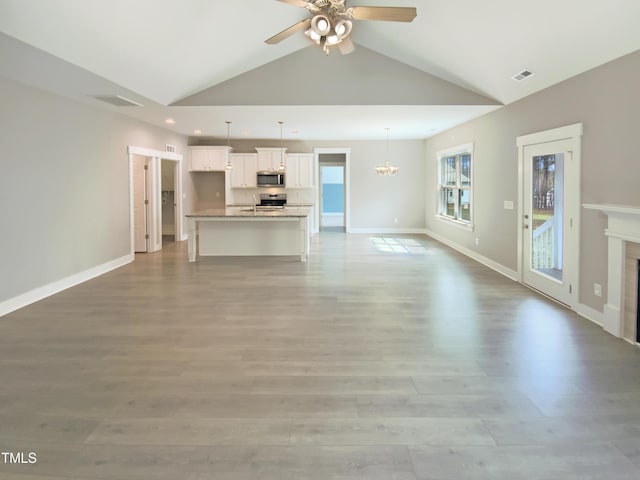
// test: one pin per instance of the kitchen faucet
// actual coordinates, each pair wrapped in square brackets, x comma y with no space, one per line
[254,203]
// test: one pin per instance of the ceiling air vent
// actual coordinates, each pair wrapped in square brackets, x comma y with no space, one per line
[117,100]
[522,75]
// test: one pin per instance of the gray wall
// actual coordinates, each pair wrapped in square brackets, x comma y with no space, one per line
[607,101]
[376,202]
[64,186]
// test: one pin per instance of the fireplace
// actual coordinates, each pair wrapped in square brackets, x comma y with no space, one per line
[621,317]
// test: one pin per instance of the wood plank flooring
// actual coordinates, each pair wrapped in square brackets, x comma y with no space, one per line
[390,358]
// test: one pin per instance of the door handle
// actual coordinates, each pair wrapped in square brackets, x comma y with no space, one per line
[526,216]
[526,226]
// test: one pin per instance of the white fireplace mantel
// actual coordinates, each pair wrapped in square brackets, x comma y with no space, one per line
[623,226]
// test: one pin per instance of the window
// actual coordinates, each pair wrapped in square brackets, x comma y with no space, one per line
[455,186]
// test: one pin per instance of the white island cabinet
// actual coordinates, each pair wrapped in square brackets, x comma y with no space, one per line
[238,231]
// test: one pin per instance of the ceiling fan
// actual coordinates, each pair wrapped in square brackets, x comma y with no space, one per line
[331,24]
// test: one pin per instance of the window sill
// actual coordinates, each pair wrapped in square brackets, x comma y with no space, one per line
[456,223]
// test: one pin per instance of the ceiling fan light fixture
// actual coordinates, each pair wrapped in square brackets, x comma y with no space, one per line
[321,25]
[313,36]
[343,28]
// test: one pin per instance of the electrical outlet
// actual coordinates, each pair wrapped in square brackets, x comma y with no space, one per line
[395,220]
[597,289]
[477,241]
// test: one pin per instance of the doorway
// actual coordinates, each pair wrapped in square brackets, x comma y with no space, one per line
[140,203]
[169,203]
[146,195]
[332,199]
[550,212]
[333,203]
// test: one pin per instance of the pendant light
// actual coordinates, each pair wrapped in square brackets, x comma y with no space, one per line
[282,166]
[228,166]
[387,169]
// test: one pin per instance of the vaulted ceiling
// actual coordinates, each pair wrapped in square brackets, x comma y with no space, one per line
[202,62]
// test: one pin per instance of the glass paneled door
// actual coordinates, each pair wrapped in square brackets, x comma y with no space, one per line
[545,222]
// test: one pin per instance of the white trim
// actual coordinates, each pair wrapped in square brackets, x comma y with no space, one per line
[147,152]
[317,151]
[381,230]
[455,222]
[590,314]
[159,155]
[487,262]
[466,148]
[58,286]
[572,258]
[560,133]
[623,225]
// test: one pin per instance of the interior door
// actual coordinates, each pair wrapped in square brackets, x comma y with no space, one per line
[140,214]
[548,223]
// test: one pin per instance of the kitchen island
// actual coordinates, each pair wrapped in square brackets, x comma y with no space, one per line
[244,231]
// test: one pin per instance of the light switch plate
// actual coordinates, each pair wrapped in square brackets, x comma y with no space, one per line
[508,205]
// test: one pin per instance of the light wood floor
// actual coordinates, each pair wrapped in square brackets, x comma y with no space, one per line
[377,359]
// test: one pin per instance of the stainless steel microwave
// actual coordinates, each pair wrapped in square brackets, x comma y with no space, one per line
[270,179]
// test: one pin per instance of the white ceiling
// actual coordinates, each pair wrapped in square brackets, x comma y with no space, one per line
[161,51]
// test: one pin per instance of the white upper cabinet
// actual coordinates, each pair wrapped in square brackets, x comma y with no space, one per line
[208,159]
[243,173]
[299,170]
[269,158]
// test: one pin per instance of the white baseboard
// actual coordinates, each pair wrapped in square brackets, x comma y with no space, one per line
[487,262]
[590,314]
[397,231]
[45,291]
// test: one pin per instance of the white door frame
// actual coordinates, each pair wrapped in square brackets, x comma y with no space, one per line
[573,133]
[347,184]
[155,193]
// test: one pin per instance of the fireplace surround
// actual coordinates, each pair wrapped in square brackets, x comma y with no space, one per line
[623,239]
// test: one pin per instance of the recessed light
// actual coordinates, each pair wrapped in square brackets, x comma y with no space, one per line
[197,132]
[295,132]
[170,121]
[245,132]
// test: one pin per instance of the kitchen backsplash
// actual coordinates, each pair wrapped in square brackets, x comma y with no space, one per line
[294,196]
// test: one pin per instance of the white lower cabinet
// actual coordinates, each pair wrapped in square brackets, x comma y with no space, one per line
[243,173]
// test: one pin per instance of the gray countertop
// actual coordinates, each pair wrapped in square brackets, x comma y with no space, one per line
[245,212]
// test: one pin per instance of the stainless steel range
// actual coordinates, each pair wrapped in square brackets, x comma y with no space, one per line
[272,201]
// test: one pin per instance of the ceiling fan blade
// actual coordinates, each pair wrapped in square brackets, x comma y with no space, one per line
[287,32]
[390,14]
[346,46]
[297,3]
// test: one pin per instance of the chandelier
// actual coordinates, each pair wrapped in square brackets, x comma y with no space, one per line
[228,166]
[387,168]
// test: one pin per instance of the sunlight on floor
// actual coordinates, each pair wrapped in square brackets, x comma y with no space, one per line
[398,245]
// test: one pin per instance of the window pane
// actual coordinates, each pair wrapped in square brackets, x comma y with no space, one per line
[465,205]
[449,171]
[449,203]
[465,170]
